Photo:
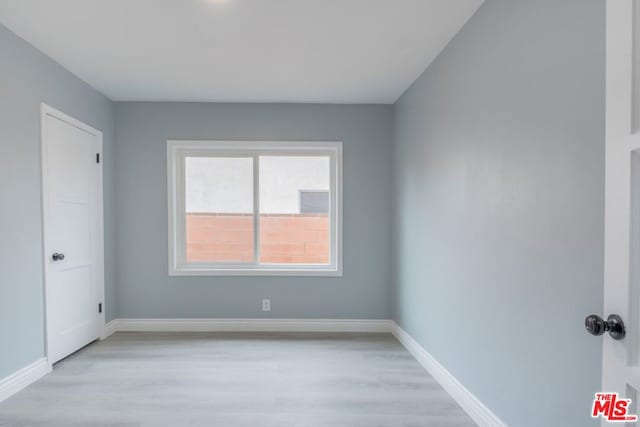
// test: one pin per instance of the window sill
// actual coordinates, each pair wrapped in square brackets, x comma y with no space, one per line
[266,272]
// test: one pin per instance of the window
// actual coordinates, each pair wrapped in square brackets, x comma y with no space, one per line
[254,208]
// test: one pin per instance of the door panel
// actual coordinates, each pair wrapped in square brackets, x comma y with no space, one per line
[72,218]
[69,287]
[72,233]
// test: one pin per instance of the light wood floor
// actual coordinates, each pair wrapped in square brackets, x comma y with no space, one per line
[229,380]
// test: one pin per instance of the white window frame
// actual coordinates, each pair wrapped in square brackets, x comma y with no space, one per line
[178,150]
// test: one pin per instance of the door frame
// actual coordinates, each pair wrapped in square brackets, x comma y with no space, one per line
[47,110]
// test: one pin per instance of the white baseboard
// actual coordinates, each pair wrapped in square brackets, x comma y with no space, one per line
[109,329]
[22,378]
[471,405]
[248,325]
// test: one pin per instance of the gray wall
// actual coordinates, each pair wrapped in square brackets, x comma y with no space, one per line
[499,186]
[27,78]
[144,288]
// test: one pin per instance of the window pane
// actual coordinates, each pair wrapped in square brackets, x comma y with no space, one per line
[219,209]
[294,209]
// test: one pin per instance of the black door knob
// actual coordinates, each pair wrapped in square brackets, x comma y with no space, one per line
[597,326]
[57,256]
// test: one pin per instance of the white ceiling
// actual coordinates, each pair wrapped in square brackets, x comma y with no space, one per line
[328,51]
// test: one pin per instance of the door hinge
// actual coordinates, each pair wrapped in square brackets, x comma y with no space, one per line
[97,157]
[99,307]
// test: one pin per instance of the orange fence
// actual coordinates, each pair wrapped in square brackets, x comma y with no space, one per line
[284,239]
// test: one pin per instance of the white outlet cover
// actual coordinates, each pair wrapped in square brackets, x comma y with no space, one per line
[266,305]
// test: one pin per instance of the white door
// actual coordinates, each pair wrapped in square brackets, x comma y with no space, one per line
[72,201]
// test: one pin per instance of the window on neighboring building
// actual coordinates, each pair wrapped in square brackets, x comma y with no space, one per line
[314,202]
[251,208]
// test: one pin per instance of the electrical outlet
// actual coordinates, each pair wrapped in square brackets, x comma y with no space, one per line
[266,305]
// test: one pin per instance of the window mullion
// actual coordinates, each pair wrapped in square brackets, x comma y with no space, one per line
[181,212]
[256,208]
